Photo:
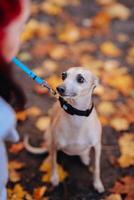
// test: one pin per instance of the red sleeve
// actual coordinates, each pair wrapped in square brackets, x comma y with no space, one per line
[9,10]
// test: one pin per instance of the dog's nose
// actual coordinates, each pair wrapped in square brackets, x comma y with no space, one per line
[61,89]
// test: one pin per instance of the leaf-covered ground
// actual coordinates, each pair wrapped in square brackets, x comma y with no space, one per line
[61,34]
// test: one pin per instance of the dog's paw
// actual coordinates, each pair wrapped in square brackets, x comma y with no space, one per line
[55,179]
[99,186]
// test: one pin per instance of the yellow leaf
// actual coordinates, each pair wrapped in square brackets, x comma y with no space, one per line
[114,197]
[106,108]
[33,111]
[50,8]
[119,124]
[110,49]
[69,34]
[118,10]
[54,81]
[46,167]
[126,144]
[43,123]
[15,165]
[124,83]
[58,52]
[14,176]
[17,193]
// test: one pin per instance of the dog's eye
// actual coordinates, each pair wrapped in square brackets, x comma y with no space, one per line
[64,76]
[80,79]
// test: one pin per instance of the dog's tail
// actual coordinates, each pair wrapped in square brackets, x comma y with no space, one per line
[34,150]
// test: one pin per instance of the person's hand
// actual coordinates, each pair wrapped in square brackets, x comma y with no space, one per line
[8,130]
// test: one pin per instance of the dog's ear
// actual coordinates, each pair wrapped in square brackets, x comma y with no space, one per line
[95,81]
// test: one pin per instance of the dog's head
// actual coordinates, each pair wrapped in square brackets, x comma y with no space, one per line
[77,82]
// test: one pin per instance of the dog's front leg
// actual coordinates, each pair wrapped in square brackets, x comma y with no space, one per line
[54,173]
[97,180]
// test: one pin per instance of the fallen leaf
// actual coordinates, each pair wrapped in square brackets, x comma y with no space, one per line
[101,20]
[39,192]
[50,8]
[106,108]
[59,52]
[16,148]
[125,186]
[50,66]
[33,111]
[63,3]
[120,124]
[15,165]
[110,49]
[114,197]
[69,34]
[118,11]
[54,81]
[46,167]
[126,144]
[43,123]
[21,116]
[14,176]
[17,193]
[123,83]
[35,28]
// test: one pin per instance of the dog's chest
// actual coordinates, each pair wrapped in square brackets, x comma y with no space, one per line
[72,136]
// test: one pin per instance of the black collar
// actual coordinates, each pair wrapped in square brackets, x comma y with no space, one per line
[74,111]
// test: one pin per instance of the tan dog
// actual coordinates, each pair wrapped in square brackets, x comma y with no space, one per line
[73,134]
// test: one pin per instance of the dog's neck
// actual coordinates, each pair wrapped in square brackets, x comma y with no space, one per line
[81,102]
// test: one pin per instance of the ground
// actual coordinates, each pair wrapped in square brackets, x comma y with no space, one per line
[78,186]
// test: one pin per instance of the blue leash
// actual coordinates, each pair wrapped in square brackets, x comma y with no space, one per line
[32,75]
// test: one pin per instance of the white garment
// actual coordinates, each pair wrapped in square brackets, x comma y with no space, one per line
[8,132]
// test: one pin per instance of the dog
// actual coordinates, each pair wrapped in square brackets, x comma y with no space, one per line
[72,133]
[7,133]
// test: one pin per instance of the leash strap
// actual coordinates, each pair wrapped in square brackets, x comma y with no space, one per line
[32,75]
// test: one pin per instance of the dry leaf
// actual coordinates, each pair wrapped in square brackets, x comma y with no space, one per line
[43,123]
[125,186]
[118,11]
[21,116]
[15,165]
[114,197]
[119,124]
[110,49]
[39,192]
[101,20]
[35,28]
[46,167]
[59,52]
[50,66]
[50,8]
[54,81]
[17,193]
[126,144]
[16,148]
[123,83]
[33,111]
[63,3]
[69,34]
[106,108]
[14,176]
